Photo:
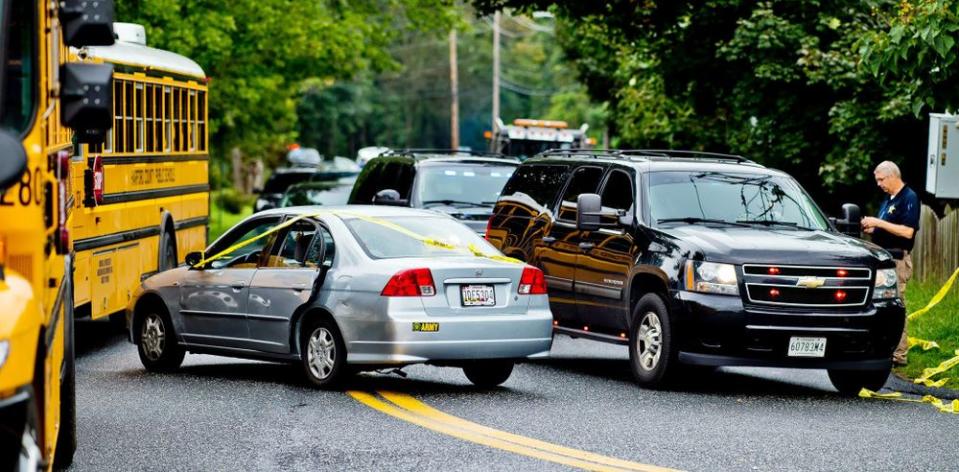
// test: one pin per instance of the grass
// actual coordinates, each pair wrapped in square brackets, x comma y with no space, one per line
[222,220]
[941,324]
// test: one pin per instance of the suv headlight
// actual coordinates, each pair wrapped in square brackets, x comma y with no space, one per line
[4,352]
[710,277]
[886,285]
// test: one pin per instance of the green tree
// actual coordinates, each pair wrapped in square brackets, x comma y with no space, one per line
[779,82]
[258,53]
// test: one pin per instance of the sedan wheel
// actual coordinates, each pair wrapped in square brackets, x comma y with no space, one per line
[157,344]
[153,337]
[322,353]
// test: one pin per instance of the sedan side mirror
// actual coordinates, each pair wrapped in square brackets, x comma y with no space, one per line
[590,214]
[389,197]
[193,258]
[13,159]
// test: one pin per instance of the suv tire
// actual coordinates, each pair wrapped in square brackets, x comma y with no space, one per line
[652,355]
[322,353]
[850,382]
[156,341]
[488,374]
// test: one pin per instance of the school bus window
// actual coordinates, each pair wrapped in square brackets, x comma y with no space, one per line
[138,116]
[184,110]
[167,118]
[21,70]
[193,123]
[128,112]
[201,119]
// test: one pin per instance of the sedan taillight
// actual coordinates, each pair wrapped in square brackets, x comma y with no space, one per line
[532,282]
[410,283]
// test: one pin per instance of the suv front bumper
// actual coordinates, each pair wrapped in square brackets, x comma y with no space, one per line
[720,330]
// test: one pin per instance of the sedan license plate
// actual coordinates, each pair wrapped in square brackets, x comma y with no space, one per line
[807,347]
[477,295]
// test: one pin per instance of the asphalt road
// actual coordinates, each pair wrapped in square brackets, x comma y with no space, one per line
[227,414]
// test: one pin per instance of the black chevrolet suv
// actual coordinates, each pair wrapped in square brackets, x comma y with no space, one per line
[701,259]
[462,184]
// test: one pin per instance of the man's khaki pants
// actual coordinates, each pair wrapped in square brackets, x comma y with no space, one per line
[903,274]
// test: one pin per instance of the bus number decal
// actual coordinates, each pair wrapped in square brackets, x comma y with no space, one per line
[29,190]
[104,270]
[150,176]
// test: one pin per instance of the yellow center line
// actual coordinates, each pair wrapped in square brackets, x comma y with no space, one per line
[413,411]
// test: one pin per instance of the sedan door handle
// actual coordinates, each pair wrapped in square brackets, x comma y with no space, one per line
[586,246]
[549,239]
[238,284]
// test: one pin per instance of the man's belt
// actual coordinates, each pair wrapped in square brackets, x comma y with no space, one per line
[898,253]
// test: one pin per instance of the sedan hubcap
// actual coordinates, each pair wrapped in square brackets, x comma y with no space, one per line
[321,353]
[649,342]
[153,337]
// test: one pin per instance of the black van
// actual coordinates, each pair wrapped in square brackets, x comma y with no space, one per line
[462,184]
[701,259]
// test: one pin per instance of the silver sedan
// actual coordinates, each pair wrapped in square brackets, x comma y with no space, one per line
[342,289]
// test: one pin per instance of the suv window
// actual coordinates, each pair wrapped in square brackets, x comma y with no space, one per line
[397,176]
[584,180]
[618,192]
[461,184]
[368,183]
[539,182]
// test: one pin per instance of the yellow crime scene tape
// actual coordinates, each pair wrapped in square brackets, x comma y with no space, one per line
[387,224]
[928,373]
[937,298]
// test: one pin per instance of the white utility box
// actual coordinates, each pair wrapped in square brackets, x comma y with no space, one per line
[942,161]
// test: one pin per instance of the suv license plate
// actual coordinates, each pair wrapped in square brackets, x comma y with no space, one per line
[807,347]
[477,295]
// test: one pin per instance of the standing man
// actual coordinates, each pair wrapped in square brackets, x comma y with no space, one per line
[895,230]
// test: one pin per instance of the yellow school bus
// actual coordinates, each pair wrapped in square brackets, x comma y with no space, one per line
[44,98]
[142,195]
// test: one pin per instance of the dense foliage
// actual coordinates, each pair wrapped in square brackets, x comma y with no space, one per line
[258,53]
[822,89]
[409,106]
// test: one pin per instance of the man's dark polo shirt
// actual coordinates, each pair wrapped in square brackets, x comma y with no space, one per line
[903,209]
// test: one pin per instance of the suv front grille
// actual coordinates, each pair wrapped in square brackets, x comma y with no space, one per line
[807,286]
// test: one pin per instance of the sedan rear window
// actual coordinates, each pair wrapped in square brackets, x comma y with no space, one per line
[391,237]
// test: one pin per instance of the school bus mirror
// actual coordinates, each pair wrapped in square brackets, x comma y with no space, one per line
[13,159]
[86,100]
[87,23]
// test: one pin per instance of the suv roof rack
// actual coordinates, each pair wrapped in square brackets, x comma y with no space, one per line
[451,152]
[647,154]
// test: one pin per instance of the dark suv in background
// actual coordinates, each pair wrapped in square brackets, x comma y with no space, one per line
[462,184]
[700,259]
[273,191]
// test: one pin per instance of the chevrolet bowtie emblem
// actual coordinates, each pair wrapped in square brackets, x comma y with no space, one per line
[810,282]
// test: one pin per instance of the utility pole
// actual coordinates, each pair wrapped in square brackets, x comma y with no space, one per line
[454,95]
[496,20]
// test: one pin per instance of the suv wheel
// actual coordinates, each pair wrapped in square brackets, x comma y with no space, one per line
[651,352]
[322,354]
[850,382]
[156,342]
[488,374]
